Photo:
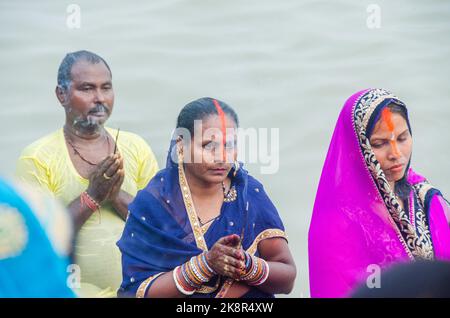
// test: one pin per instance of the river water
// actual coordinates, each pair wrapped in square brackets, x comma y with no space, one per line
[281,64]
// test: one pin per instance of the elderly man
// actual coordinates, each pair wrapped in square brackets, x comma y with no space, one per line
[95,176]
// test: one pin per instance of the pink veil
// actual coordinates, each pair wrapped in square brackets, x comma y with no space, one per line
[352,231]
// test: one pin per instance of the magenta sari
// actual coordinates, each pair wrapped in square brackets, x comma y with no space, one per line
[357,221]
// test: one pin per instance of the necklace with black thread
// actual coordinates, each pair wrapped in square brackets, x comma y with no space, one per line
[228,196]
[78,153]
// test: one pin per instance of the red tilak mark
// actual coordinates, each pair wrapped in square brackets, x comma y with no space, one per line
[222,119]
[386,115]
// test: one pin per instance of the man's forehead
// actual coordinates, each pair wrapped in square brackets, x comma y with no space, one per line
[86,71]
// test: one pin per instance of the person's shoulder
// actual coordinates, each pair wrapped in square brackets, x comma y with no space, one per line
[128,135]
[267,212]
[159,179]
[47,145]
[253,182]
[256,189]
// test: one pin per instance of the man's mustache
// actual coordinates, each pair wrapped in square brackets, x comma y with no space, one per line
[99,108]
[89,122]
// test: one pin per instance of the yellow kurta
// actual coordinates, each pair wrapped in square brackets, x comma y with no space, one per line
[47,165]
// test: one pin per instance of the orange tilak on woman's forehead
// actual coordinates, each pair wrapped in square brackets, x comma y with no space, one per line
[386,116]
[223,124]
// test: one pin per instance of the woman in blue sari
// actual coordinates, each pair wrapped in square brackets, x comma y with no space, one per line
[203,227]
[35,242]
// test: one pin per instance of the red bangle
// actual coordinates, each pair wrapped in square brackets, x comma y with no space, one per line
[87,200]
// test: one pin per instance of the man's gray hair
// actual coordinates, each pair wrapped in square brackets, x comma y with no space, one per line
[65,68]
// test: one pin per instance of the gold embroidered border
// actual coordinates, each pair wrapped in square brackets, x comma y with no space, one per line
[208,289]
[360,131]
[423,190]
[195,224]
[266,234]
[192,214]
[206,227]
[366,108]
[269,233]
[372,107]
[199,231]
[142,290]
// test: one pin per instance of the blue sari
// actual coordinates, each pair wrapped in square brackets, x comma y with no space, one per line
[162,230]
[30,264]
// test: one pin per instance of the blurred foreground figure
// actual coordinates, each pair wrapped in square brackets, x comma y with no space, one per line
[422,279]
[35,241]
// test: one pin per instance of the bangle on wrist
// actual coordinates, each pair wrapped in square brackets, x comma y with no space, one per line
[88,201]
[256,270]
[191,275]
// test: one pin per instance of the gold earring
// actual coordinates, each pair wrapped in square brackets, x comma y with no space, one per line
[180,154]
[236,167]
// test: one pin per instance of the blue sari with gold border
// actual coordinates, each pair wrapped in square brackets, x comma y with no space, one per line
[162,230]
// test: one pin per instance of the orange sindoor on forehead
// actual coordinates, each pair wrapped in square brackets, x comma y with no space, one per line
[386,115]
[223,124]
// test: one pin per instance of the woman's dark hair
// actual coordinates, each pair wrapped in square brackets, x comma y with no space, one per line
[200,109]
[402,187]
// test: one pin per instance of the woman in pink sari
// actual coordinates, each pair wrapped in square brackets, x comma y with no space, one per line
[371,209]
